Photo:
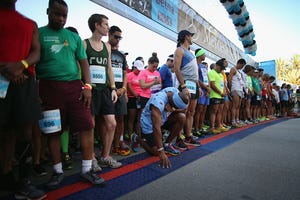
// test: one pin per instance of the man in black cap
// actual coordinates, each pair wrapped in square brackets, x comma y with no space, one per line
[186,70]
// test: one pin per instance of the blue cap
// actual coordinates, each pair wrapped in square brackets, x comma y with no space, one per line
[178,101]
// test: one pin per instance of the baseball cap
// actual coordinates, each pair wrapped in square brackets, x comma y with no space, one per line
[138,64]
[171,57]
[124,53]
[184,33]
[179,103]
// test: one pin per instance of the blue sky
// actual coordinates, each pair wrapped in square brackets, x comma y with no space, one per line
[277,31]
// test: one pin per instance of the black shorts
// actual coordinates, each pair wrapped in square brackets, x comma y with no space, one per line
[131,104]
[102,102]
[214,101]
[254,100]
[143,101]
[21,105]
[149,138]
[121,106]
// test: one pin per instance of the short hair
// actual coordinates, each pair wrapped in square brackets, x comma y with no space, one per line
[73,29]
[114,29]
[247,68]
[62,2]
[153,58]
[95,18]
[212,65]
[241,61]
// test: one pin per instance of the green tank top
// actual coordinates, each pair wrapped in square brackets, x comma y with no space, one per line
[98,61]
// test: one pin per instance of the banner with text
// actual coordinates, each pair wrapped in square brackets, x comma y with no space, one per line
[168,17]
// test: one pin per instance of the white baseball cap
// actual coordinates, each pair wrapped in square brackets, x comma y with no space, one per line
[138,64]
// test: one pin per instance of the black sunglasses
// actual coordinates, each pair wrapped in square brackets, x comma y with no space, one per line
[117,37]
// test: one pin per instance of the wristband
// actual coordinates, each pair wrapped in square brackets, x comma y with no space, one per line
[85,87]
[88,85]
[160,149]
[25,63]
[124,88]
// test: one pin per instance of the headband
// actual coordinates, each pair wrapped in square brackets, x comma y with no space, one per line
[200,53]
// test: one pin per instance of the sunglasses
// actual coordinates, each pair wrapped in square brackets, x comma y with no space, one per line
[117,37]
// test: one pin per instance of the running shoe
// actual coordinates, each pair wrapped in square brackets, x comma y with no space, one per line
[189,140]
[67,161]
[222,129]
[179,144]
[134,143]
[197,133]
[93,178]
[120,151]
[55,180]
[109,162]
[95,166]
[248,122]
[28,191]
[214,131]
[236,125]
[171,150]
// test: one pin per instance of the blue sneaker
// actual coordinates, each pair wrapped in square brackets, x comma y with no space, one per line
[171,150]
[134,143]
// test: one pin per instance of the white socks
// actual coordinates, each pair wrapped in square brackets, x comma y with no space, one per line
[58,168]
[86,166]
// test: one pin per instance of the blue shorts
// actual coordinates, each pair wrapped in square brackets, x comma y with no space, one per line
[203,100]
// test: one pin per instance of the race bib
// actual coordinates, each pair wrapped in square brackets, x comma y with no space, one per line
[50,123]
[204,75]
[191,86]
[4,83]
[222,85]
[258,98]
[98,74]
[155,88]
[118,74]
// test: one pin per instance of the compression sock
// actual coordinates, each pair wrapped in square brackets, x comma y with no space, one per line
[64,138]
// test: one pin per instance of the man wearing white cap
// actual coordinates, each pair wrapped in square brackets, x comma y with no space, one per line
[165,109]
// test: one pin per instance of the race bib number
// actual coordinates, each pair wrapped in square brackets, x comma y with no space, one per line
[204,75]
[50,123]
[4,83]
[258,98]
[222,85]
[98,74]
[155,88]
[118,74]
[191,86]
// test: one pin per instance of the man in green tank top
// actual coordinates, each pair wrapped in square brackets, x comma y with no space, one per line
[104,93]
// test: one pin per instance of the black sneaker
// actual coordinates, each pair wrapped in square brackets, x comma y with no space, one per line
[179,144]
[197,133]
[93,178]
[67,161]
[39,170]
[55,180]
[190,141]
[28,191]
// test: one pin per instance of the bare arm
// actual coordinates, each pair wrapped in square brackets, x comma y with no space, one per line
[157,122]
[177,64]
[229,78]
[15,69]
